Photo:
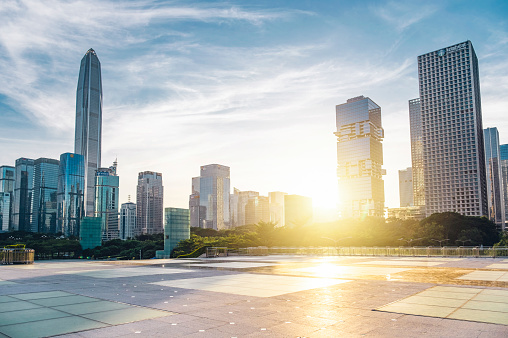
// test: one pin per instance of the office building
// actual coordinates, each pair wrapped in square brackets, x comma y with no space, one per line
[276,200]
[406,187]
[70,193]
[415,125]
[359,158]
[503,151]
[90,232]
[297,210]
[176,229]
[127,220]
[495,188]
[7,181]
[106,201]
[149,199]
[197,212]
[214,190]
[44,198]
[23,189]
[88,132]
[257,210]
[453,145]
[238,203]
[5,211]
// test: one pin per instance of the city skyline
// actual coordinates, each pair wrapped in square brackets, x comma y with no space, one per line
[266,110]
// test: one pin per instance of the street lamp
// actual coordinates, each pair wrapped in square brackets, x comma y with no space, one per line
[440,241]
[464,241]
[409,241]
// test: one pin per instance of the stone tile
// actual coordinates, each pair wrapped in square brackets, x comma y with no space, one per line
[31,315]
[481,316]
[50,327]
[16,306]
[115,317]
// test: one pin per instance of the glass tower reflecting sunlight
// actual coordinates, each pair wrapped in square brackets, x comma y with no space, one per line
[71,182]
[89,123]
[44,198]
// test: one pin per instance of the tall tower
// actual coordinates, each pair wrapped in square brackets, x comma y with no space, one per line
[415,124]
[23,190]
[495,188]
[214,190]
[359,158]
[44,198]
[89,123]
[149,200]
[503,156]
[451,115]
[406,187]
[107,185]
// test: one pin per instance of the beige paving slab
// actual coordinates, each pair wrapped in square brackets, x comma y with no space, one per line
[343,271]
[490,298]
[486,306]
[480,316]
[497,266]
[457,289]
[447,302]
[418,309]
[403,263]
[495,292]
[233,265]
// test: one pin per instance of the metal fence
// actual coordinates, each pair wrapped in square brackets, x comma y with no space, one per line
[417,251]
[17,255]
[216,252]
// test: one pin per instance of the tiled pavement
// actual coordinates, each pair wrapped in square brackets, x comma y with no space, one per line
[274,296]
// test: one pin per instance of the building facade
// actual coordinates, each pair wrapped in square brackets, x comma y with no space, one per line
[88,132]
[406,187]
[214,191]
[127,220]
[297,210]
[359,158]
[257,210]
[23,190]
[107,185]
[70,193]
[276,200]
[176,229]
[44,198]
[5,211]
[415,124]
[453,145]
[7,174]
[90,232]
[503,151]
[149,202]
[495,188]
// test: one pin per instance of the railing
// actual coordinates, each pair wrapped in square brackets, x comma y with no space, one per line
[402,251]
[216,252]
[17,255]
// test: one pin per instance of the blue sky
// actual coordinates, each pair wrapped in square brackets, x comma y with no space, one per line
[248,84]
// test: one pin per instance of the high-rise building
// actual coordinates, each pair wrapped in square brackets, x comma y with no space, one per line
[70,193]
[7,181]
[297,210]
[406,187]
[176,229]
[214,189]
[359,158]
[238,206]
[127,220]
[44,198]
[257,210]
[88,131]
[107,185]
[415,123]
[451,117]
[495,188]
[23,189]
[277,207]
[197,212]
[90,231]
[149,199]
[503,151]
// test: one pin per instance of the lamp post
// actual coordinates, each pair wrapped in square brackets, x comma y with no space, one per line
[336,241]
[409,241]
[440,241]
[464,241]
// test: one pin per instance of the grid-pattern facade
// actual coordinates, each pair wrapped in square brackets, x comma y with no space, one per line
[176,229]
[23,190]
[415,123]
[106,202]
[149,200]
[257,210]
[5,211]
[406,187]
[453,149]
[7,181]
[127,220]
[214,190]
[495,189]
[70,193]
[503,151]
[90,232]
[44,198]
[88,131]
[359,158]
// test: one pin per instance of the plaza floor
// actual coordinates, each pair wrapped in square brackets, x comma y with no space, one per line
[273,296]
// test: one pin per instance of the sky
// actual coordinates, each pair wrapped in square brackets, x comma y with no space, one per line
[248,84]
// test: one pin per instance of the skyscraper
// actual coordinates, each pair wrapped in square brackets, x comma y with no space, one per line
[451,116]
[7,174]
[297,210]
[88,131]
[257,210]
[406,187]
[5,211]
[214,189]
[277,207]
[70,193]
[495,189]
[149,199]
[503,151]
[127,220]
[359,158]
[44,198]
[176,229]
[107,185]
[415,123]
[23,189]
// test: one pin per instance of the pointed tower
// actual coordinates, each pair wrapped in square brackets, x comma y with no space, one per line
[89,123]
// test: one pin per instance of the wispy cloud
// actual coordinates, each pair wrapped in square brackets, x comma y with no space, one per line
[402,15]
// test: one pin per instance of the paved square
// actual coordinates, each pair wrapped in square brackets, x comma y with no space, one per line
[472,304]
[402,262]
[51,313]
[252,284]
[233,265]
[343,271]
[126,272]
[498,276]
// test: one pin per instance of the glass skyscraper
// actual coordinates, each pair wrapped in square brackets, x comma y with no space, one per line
[415,123]
[5,211]
[7,174]
[503,151]
[23,189]
[127,220]
[495,189]
[44,198]
[106,201]
[451,117]
[406,187]
[176,229]
[359,158]
[88,131]
[149,203]
[70,193]
[214,190]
